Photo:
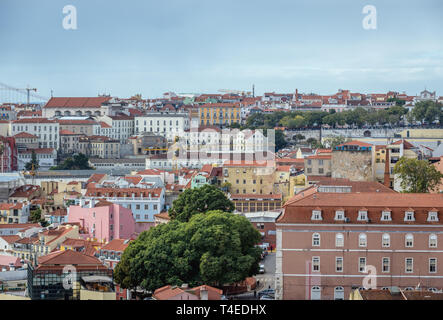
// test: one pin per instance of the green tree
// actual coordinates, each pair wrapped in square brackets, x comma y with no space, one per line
[335,141]
[78,162]
[428,111]
[213,248]
[34,161]
[280,140]
[417,176]
[199,200]
[35,215]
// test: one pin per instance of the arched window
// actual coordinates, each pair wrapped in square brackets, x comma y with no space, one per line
[339,293]
[432,241]
[362,240]
[409,240]
[316,240]
[339,240]
[315,293]
[386,240]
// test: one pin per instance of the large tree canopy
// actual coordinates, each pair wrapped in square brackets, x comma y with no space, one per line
[417,176]
[199,200]
[214,248]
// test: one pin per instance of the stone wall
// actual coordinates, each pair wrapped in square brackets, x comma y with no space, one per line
[353,165]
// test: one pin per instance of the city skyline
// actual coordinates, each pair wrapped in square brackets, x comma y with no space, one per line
[152,48]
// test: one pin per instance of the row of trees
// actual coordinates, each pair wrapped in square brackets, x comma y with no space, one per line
[426,111]
[204,243]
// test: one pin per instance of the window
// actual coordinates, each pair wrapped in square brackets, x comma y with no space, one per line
[409,268]
[409,240]
[409,216]
[385,264]
[339,293]
[339,215]
[316,215]
[432,241]
[432,216]
[386,216]
[362,215]
[361,264]
[432,265]
[338,264]
[146,206]
[339,240]
[386,240]
[316,240]
[362,240]
[315,293]
[315,264]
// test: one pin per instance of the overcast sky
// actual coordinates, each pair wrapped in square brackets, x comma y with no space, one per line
[151,47]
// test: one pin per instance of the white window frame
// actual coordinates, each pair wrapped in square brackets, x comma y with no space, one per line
[315,264]
[362,236]
[337,237]
[382,264]
[316,215]
[431,240]
[362,215]
[339,215]
[316,240]
[360,269]
[432,216]
[339,291]
[409,214]
[411,237]
[384,237]
[412,265]
[429,269]
[386,216]
[337,259]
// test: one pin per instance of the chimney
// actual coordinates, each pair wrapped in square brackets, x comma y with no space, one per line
[387,177]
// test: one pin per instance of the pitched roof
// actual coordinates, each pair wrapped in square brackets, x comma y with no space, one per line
[67,257]
[117,245]
[80,102]
[25,135]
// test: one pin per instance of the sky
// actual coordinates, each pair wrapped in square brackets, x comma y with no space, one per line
[200,46]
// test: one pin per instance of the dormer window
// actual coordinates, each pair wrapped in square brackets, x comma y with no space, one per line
[339,215]
[432,216]
[362,215]
[386,216]
[316,215]
[409,216]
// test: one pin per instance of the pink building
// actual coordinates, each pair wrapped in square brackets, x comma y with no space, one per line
[104,220]
[326,240]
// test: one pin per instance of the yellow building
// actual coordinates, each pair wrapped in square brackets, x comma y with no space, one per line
[250,177]
[422,133]
[218,114]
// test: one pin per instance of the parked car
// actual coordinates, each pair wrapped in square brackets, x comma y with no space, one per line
[262,269]
[266,292]
[265,297]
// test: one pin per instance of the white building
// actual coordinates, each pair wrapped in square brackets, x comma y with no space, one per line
[46,130]
[46,158]
[119,127]
[169,125]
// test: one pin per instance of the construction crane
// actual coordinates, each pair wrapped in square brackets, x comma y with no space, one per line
[27,90]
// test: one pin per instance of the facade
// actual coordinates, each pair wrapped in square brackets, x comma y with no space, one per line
[99,147]
[14,212]
[83,125]
[148,143]
[46,157]
[25,140]
[46,281]
[219,114]
[143,203]
[249,177]
[120,127]
[325,241]
[256,202]
[103,220]
[318,165]
[46,130]
[354,160]
[69,141]
[85,106]
[126,164]
[169,125]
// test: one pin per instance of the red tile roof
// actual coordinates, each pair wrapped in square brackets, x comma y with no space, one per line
[117,245]
[84,102]
[25,135]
